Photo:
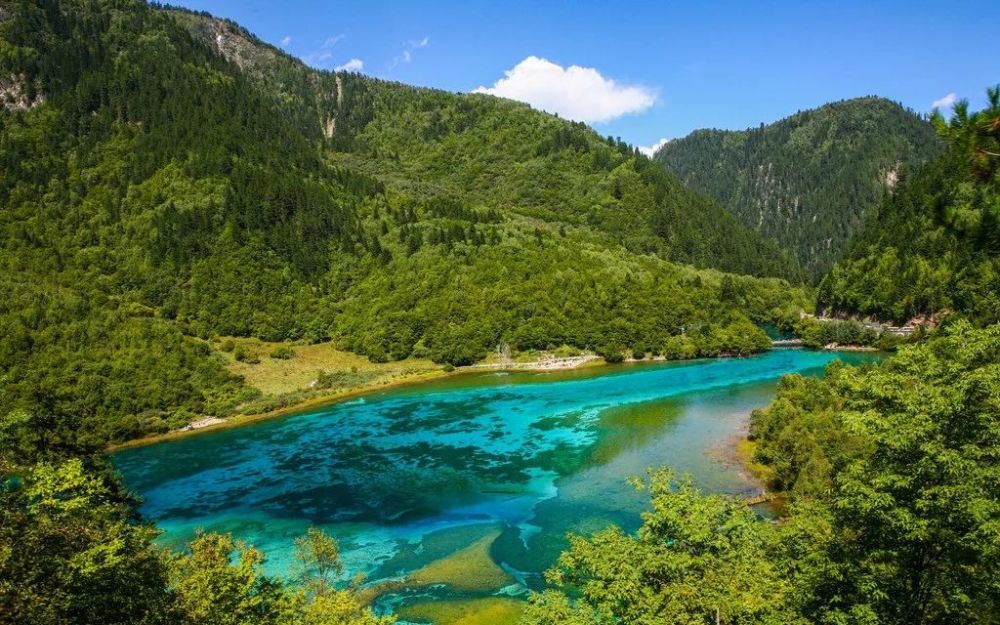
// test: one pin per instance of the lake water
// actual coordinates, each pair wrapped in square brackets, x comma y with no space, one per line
[474,481]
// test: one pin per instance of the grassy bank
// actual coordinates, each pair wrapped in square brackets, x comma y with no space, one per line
[293,378]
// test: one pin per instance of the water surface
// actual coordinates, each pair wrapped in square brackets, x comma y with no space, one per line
[408,477]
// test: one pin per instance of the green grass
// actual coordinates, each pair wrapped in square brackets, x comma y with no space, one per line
[276,376]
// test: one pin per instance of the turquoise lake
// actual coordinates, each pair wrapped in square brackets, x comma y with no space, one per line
[403,478]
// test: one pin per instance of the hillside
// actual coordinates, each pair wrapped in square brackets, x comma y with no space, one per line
[806,181]
[168,179]
[933,246]
[497,153]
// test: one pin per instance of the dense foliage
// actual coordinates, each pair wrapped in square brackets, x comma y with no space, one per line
[808,180]
[693,557]
[934,245]
[848,332]
[892,476]
[166,178]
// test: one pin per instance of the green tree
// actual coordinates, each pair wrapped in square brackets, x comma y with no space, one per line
[317,558]
[918,512]
[898,465]
[72,551]
[213,589]
[694,557]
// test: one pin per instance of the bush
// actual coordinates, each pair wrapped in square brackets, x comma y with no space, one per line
[344,379]
[282,352]
[242,355]
[816,333]
[679,348]
[228,345]
[611,353]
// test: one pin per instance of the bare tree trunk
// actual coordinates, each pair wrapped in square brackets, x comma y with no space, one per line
[503,354]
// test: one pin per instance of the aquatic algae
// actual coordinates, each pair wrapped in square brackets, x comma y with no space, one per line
[631,426]
[483,611]
[469,570]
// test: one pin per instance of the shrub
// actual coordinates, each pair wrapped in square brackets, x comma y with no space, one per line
[679,348]
[242,355]
[611,353]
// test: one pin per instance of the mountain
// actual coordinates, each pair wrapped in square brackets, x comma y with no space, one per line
[166,179]
[934,245]
[808,180]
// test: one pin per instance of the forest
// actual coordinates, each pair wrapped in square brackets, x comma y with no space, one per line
[807,181]
[934,246]
[160,192]
[167,180]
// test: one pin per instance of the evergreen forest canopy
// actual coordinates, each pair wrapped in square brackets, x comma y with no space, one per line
[809,180]
[934,245]
[168,178]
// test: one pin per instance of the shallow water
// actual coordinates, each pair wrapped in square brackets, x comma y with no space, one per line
[407,477]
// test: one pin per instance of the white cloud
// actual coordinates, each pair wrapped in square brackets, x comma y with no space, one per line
[574,92]
[315,58]
[354,65]
[408,47]
[323,53]
[945,102]
[650,150]
[286,41]
[332,41]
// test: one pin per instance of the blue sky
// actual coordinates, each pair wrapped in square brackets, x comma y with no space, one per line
[645,71]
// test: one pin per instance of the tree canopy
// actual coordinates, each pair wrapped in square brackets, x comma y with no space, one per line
[809,180]
[934,245]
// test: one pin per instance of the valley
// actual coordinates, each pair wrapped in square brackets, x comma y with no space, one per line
[361,321]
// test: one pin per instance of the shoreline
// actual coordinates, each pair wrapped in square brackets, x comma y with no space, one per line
[836,347]
[217,424]
[542,364]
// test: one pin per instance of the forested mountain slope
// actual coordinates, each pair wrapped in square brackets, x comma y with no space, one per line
[806,181]
[166,178]
[501,154]
[934,245]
